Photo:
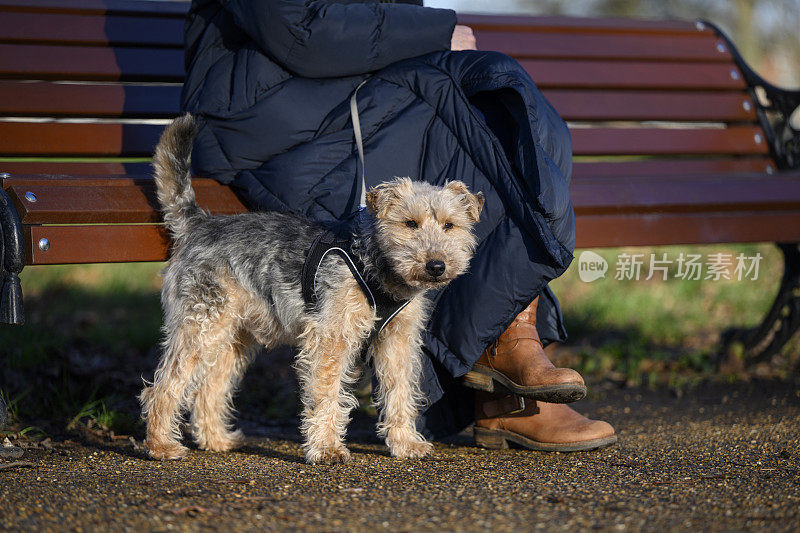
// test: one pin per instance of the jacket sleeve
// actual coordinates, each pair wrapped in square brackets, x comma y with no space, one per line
[317,39]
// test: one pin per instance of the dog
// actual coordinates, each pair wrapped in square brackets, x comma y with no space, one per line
[233,285]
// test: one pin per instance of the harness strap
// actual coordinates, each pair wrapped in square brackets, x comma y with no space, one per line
[386,307]
[359,143]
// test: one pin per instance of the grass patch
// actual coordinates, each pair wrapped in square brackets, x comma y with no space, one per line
[655,331]
[92,334]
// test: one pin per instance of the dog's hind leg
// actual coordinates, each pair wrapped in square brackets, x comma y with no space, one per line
[212,411]
[397,366]
[162,402]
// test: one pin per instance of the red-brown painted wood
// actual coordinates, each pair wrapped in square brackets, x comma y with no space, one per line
[688,106]
[651,47]
[581,24]
[51,99]
[54,28]
[632,75]
[77,204]
[689,193]
[695,228]
[57,139]
[119,243]
[148,242]
[652,141]
[661,167]
[68,167]
[98,7]
[22,138]
[33,61]
[121,180]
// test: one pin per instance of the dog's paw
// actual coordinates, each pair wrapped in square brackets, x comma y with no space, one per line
[166,451]
[330,455]
[412,449]
[222,443]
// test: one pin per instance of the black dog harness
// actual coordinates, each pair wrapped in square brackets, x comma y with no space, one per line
[386,307]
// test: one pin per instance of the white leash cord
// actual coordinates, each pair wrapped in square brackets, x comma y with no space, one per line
[359,143]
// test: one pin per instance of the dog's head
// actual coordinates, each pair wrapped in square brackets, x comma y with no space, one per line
[425,232]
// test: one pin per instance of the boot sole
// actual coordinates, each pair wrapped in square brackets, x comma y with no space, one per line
[498,439]
[489,380]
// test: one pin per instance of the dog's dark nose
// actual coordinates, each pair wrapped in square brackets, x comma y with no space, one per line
[435,268]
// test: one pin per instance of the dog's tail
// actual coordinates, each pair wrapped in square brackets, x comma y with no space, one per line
[173,176]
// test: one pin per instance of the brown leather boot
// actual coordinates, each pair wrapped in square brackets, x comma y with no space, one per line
[516,362]
[536,425]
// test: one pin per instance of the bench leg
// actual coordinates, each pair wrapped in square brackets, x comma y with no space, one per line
[782,320]
[12,260]
[3,414]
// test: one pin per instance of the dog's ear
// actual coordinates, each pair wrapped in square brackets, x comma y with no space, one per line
[472,202]
[381,198]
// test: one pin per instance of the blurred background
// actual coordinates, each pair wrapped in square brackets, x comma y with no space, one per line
[93,331]
[765,31]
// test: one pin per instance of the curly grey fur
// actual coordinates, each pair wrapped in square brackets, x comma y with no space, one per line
[172,166]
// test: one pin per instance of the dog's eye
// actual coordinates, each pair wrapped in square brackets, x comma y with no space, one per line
[448,226]
[411,224]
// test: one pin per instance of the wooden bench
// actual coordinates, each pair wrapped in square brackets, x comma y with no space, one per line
[676,139]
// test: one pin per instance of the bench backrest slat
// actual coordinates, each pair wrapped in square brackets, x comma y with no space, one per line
[50,99]
[91,29]
[90,63]
[109,100]
[31,139]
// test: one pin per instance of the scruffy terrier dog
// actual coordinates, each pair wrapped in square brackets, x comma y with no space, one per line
[233,284]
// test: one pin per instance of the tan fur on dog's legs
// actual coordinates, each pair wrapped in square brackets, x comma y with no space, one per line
[397,365]
[212,410]
[163,401]
[326,366]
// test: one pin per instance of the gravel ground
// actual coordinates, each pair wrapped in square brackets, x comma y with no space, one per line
[721,458]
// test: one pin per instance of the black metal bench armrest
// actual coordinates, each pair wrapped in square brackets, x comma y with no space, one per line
[774,106]
[12,261]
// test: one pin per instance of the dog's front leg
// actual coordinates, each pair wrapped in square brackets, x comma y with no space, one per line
[330,345]
[397,364]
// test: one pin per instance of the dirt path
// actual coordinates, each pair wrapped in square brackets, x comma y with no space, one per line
[725,458]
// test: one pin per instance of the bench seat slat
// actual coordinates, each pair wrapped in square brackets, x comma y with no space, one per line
[120,243]
[687,228]
[753,192]
[132,200]
[74,167]
[94,100]
[148,242]
[120,180]
[107,204]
